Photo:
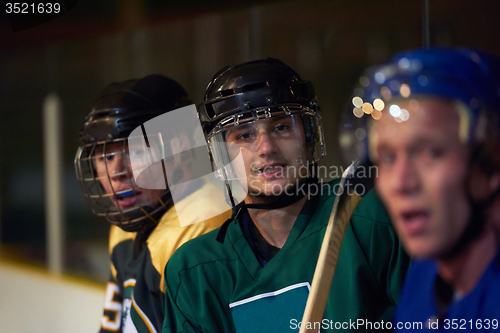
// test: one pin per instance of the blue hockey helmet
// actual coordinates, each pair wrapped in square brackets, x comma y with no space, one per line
[469,76]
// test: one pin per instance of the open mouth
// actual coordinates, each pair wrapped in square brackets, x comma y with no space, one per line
[124,193]
[272,171]
[415,221]
[127,198]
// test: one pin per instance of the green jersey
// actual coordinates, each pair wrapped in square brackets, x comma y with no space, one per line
[135,294]
[222,287]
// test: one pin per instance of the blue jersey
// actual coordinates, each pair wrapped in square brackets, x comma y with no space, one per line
[477,311]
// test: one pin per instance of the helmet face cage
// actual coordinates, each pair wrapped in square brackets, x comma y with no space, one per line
[243,94]
[95,173]
[297,115]
[255,84]
[458,75]
[119,109]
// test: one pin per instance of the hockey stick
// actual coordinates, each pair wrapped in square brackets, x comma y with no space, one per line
[343,207]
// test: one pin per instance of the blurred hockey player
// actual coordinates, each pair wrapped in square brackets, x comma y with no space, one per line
[433,130]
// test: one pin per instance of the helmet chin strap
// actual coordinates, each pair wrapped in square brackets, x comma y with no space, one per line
[477,218]
[242,206]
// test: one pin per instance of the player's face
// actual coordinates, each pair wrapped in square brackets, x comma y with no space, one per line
[421,175]
[115,174]
[274,153]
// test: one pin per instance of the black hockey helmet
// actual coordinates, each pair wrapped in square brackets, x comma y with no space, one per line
[247,93]
[120,108]
[256,90]
[259,83]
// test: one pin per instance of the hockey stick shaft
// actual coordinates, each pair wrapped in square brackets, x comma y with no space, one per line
[343,207]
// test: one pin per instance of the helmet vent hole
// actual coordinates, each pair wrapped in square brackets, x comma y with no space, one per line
[210,111]
[254,86]
[227,92]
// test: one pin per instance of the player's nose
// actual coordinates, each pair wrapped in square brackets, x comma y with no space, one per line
[405,178]
[265,144]
[118,167]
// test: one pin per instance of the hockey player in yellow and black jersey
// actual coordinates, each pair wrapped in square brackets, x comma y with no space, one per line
[145,227]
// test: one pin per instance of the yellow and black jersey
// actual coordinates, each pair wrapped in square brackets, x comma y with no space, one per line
[135,293]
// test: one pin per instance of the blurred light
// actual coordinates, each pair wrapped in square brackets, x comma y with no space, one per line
[404,63]
[394,84]
[364,81]
[414,104]
[367,108]
[475,57]
[378,104]
[345,140]
[380,77]
[358,112]
[376,114]
[474,103]
[359,92]
[386,93]
[360,134]
[357,101]
[404,90]
[398,120]
[423,80]
[395,111]
[405,115]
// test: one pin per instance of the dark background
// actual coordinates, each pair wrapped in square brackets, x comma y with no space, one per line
[98,42]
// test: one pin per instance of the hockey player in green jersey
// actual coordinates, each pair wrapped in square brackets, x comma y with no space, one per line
[146,229]
[256,276]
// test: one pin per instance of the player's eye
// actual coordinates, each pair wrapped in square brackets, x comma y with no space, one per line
[104,158]
[136,153]
[244,136]
[386,158]
[430,152]
[434,152]
[241,134]
[282,128]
